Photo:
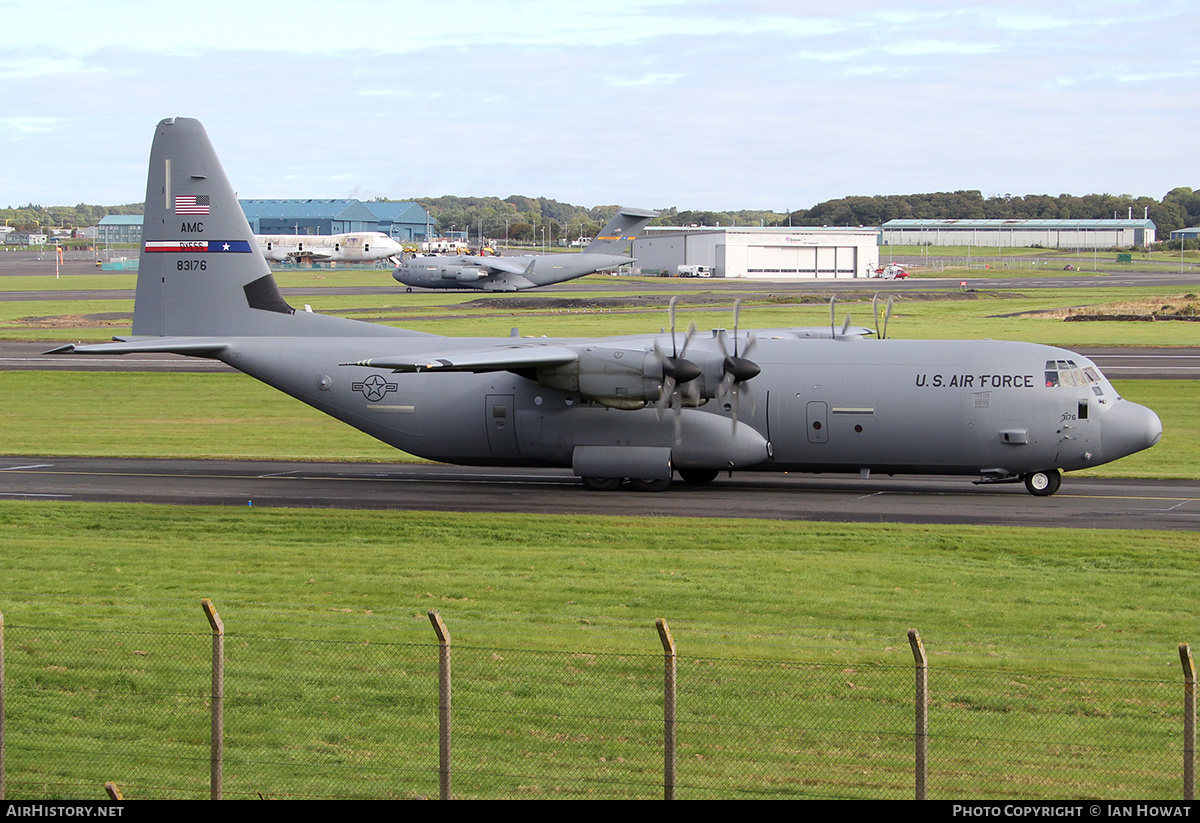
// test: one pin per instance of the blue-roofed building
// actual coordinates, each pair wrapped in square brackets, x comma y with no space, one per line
[1186,234]
[119,228]
[403,222]
[308,216]
[1050,234]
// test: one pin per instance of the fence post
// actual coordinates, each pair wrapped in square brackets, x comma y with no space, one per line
[668,642]
[921,733]
[443,635]
[217,744]
[1189,721]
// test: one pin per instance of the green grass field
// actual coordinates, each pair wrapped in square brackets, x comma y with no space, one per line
[795,673]
[1001,314]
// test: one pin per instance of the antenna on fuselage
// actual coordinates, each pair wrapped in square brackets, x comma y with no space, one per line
[887,314]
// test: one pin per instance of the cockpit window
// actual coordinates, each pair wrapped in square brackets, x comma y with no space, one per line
[1067,373]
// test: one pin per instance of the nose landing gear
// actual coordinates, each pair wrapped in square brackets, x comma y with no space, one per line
[1043,484]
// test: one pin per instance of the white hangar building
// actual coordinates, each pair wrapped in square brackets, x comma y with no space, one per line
[1050,234]
[760,253]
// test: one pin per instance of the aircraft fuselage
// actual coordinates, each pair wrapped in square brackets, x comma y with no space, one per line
[994,409]
[502,273]
[350,247]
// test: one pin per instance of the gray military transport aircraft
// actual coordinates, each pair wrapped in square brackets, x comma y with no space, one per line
[639,407]
[528,271]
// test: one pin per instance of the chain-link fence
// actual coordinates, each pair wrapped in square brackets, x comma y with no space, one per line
[303,718]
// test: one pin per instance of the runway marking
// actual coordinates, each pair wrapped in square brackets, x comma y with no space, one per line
[24,468]
[1177,505]
[1124,497]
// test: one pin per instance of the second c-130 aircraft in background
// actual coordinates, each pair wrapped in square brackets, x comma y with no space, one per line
[637,408]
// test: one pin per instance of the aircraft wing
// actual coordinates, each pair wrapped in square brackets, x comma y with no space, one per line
[504,358]
[495,264]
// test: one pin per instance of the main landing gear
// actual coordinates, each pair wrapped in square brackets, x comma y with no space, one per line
[602,484]
[638,484]
[692,477]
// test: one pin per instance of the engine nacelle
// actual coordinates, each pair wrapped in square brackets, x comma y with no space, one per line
[629,378]
[463,274]
[622,378]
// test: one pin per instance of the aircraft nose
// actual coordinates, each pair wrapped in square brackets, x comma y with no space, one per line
[1129,428]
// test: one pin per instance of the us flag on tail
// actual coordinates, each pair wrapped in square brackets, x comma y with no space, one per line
[191,204]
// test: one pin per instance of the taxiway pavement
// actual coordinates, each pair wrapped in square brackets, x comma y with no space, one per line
[1082,502]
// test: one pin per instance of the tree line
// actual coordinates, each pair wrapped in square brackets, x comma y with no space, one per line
[1179,208]
[31,217]
[532,219]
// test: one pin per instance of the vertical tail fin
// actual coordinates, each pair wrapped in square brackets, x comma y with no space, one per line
[200,273]
[620,231]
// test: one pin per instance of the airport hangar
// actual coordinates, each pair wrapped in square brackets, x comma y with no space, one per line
[760,253]
[1050,234]
[402,221]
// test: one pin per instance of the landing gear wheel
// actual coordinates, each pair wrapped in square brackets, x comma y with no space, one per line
[642,485]
[409,290]
[601,484]
[697,477]
[1043,484]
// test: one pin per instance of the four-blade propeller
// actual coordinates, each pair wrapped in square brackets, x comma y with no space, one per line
[737,368]
[681,376]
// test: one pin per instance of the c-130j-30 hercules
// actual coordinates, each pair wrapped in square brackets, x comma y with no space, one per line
[637,408]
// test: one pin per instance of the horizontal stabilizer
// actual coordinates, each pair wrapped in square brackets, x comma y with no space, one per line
[194,346]
[816,333]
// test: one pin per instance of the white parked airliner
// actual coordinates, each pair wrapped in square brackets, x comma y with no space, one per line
[352,247]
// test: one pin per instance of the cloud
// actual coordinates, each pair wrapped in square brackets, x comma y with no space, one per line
[700,104]
[19,128]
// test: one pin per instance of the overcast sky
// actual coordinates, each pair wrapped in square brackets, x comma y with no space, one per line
[760,104]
